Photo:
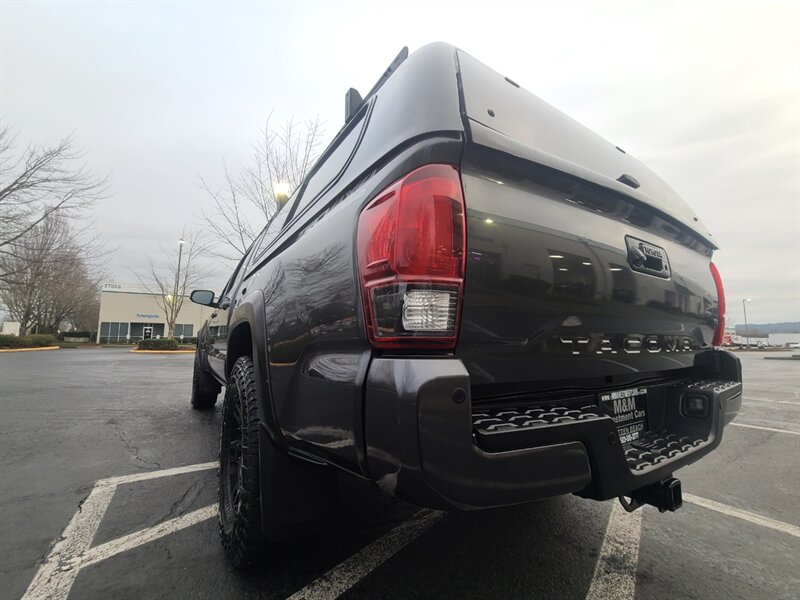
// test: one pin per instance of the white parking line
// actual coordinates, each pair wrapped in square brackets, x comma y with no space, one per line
[745,515]
[55,577]
[615,572]
[772,429]
[352,570]
[748,399]
[614,576]
[145,536]
[156,474]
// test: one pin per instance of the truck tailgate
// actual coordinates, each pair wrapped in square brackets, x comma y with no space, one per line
[571,275]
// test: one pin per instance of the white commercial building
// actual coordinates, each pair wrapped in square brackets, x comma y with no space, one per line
[129,313]
[783,339]
[9,328]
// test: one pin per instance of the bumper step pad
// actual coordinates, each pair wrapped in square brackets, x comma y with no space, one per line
[507,419]
[654,448]
[714,386]
[517,427]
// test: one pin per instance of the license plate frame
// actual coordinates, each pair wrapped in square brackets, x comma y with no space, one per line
[628,409]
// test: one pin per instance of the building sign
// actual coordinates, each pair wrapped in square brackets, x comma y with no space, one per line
[134,288]
[147,316]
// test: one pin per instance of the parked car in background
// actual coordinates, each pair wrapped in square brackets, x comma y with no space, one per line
[471,301]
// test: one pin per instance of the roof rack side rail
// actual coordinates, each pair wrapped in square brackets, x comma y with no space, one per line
[398,60]
[353,99]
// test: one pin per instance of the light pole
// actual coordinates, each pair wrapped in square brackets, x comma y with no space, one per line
[181,242]
[746,328]
[281,190]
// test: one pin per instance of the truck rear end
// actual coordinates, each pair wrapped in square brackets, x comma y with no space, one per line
[572,313]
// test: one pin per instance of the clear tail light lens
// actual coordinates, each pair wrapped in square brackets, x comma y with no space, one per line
[719,331]
[411,248]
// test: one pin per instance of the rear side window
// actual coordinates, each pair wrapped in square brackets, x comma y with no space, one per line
[333,163]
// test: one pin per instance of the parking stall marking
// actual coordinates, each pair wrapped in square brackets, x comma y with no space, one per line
[762,428]
[615,571]
[145,536]
[352,570]
[614,576]
[745,515]
[121,479]
[747,399]
[55,577]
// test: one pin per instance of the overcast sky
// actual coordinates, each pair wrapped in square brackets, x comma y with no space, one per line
[707,95]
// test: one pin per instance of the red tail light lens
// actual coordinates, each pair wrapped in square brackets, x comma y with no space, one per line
[411,248]
[719,332]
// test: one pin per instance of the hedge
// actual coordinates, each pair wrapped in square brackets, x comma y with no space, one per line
[34,340]
[162,344]
[76,334]
[12,341]
[39,340]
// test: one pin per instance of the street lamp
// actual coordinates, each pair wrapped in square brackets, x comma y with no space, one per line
[746,328]
[282,191]
[181,242]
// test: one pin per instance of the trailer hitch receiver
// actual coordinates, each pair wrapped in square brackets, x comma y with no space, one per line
[665,495]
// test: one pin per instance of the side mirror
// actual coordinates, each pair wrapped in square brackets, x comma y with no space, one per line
[204,297]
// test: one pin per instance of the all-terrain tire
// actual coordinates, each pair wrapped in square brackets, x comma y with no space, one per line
[239,479]
[205,388]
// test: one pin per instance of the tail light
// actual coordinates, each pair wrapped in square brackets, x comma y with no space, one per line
[411,248]
[719,332]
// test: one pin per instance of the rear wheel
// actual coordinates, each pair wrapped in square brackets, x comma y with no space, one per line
[205,388]
[239,486]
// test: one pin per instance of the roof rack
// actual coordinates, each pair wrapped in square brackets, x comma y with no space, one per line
[353,99]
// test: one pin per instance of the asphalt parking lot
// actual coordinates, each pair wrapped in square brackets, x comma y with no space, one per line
[104,444]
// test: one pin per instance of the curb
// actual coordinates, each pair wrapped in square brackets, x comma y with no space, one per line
[29,349]
[162,351]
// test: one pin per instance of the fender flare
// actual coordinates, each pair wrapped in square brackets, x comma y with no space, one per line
[252,312]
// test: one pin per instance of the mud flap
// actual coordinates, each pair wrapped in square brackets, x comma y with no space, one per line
[295,495]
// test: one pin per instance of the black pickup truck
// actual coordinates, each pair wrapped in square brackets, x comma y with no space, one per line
[471,301]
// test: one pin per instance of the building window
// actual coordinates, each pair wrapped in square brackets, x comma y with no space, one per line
[185,330]
[112,333]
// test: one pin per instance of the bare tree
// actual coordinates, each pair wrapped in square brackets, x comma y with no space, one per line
[173,277]
[54,280]
[85,315]
[36,185]
[247,200]
[70,296]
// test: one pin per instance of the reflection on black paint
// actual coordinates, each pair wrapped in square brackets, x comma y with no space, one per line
[623,283]
[334,367]
[573,274]
[300,318]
